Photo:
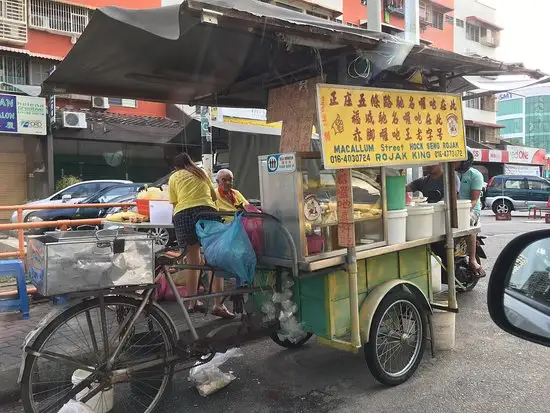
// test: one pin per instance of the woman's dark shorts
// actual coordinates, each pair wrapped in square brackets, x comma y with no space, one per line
[186,220]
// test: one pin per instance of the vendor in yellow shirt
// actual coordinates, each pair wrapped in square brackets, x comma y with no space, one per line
[228,199]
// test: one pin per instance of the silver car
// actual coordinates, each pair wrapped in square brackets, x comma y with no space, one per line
[71,194]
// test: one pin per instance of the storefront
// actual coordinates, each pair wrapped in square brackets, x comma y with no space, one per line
[515,160]
[112,146]
[22,148]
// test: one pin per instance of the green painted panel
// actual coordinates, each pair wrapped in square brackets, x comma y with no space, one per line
[339,282]
[413,262]
[313,287]
[315,316]
[340,316]
[422,282]
[381,269]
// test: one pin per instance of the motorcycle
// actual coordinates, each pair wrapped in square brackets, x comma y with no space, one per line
[465,278]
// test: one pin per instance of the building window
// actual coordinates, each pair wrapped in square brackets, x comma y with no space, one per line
[473,134]
[352,25]
[322,16]
[288,6]
[459,23]
[437,20]
[472,32]
[61,17]
[449,19]
[125,103]
[473,103]
[39,70]
[13,21]
[13,69]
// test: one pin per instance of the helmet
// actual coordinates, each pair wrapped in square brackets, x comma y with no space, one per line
[467,164]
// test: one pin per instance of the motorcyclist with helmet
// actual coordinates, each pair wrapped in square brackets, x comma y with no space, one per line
[471,185]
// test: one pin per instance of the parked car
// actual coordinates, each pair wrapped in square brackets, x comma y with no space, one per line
[70,195]
[163,236]
[106,195]
[506,193]
[518,294]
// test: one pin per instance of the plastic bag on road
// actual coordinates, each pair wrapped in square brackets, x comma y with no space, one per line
[208,378]
[227,246]
[72,406]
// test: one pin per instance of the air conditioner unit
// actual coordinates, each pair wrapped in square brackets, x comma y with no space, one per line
[100,102]
[75,120]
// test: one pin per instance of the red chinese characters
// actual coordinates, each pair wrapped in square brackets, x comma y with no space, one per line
[347,99]
[369,118]
[333,99]
[362,103]
[384,134]
[355,118]
[387,102]
[357,135]
[371,134]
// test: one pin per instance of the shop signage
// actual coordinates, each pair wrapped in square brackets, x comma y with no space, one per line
[495,156]
[523,155]
[281,163]
[344,208]
[362,127]
[22,114]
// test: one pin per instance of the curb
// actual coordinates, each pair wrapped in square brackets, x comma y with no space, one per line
[9,389]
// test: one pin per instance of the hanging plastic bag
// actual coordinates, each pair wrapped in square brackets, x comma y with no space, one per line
[72,406]
[227,246]
[254,228]
[208,378]
[164,291]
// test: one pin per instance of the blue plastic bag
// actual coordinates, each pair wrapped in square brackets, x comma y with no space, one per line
[227,246]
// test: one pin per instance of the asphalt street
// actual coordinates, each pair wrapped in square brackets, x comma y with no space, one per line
[488,371]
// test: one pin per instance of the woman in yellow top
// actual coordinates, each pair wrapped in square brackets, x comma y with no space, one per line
[228,199]
[191,194]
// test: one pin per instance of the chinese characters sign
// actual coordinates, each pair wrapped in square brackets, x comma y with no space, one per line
[363,127]
[22,114]
[344,209]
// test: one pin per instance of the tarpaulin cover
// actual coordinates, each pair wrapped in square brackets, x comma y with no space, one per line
[241,50]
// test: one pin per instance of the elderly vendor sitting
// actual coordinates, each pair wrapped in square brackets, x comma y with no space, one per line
[229,199]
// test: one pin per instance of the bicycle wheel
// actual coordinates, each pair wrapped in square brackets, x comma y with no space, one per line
[397,338]
[72,347]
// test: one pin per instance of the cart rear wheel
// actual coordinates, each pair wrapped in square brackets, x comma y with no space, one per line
[289,344]
[74,341]
[397,338]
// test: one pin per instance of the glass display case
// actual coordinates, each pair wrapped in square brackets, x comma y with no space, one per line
[304,196]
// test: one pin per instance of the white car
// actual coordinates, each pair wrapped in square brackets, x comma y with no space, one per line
[71,194]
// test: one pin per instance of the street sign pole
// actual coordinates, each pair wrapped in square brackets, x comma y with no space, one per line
[206,140]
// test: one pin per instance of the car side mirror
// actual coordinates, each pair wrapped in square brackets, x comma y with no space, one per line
[66,198]
[518,295]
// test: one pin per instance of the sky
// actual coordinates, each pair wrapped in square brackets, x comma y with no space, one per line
[526,32]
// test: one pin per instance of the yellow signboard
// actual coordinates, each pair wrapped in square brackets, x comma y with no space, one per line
[362,127]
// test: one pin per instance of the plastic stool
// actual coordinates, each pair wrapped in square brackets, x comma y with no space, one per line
[534,209]
[15,268]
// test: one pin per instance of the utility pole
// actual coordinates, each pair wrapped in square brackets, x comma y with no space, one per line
[206,141]
[412,35]
[374,16]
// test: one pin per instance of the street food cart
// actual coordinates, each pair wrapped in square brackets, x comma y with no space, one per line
[328,268]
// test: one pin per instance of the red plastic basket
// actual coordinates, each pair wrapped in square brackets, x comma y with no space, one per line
[143,206]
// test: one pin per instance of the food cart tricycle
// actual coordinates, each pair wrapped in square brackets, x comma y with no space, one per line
[332,265]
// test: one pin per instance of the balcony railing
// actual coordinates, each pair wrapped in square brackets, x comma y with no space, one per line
[489,41]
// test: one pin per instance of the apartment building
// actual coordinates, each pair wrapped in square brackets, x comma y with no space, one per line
[435,17]
[94,137]
[477,34]
[525,116]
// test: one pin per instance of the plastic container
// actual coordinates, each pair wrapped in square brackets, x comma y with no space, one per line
[315,244]
[395,192]
[463,212]
[436,275]
[444,324]
[397,226]
[419,222]
[142,206]
[438,218]
[101,402]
